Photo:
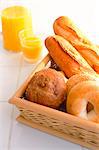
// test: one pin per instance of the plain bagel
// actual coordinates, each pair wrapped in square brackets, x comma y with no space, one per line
[78,98]
[75,79]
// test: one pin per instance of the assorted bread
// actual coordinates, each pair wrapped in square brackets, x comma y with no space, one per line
[74,57]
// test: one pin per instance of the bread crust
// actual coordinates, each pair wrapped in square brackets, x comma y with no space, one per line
[78,78]
[78,98]
[66,56]
[47,87]
[66,28]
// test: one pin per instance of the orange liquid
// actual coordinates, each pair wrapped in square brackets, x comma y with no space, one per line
[14,19]
[32,48]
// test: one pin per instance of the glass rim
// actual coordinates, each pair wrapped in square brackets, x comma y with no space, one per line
[29,35]
[22,32]
[25,39]
[25,30]
[31,46]
[21,16]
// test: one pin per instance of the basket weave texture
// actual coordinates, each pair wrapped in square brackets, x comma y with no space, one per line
[66,126]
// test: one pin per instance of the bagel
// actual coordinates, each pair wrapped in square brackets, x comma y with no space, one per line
[93,117]
[75,79]
[78,98]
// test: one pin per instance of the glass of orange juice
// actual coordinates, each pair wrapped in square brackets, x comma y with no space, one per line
[14,18]
[31,45]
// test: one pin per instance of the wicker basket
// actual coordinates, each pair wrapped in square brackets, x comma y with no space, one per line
[55,122]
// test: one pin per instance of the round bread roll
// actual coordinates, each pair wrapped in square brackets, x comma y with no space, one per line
[47,87]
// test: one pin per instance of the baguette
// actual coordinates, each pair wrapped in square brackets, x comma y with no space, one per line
[66,56]
[65,27]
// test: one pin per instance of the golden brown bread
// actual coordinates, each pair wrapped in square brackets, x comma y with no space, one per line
[66,28]
[78,98]
[78,78]
[66,56]
[47,87]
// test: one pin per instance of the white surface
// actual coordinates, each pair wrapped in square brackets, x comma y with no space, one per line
[13,71]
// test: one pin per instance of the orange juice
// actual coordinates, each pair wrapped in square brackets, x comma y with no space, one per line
[31,48]
[14,19]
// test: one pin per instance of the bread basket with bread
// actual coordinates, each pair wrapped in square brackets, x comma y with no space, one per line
[61,96]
